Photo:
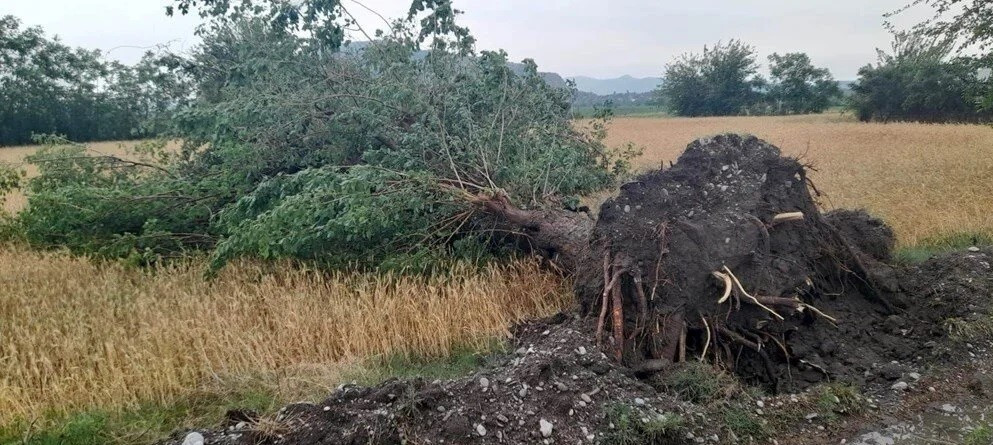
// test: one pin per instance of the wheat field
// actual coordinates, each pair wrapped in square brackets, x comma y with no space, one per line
[79,334]
[927,181]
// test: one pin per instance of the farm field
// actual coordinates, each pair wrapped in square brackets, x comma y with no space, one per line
[927,181]
[83,335]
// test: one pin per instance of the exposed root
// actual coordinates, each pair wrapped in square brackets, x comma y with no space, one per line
[601,320]
[762,230]
[682,344]
[741,290]
[618,314]
[818,312]
[785,217]
[706,345]
[642,301]
[727,286]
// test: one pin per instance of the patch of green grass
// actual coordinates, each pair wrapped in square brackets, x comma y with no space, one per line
[929,247]
[145,423]
[744,424]
[698,383]
[462,361]
[632,427]
[979,436]
[835,399]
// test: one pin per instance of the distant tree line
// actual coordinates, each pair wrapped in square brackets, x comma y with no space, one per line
[723,80]
[49,87]
[925,77]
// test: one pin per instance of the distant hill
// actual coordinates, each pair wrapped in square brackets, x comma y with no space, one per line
[623,84]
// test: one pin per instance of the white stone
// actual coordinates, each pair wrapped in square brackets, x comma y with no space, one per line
[914,376]
[481,430]
[973,249]
[639,401]
[899,386]
[949,408]
[545,427]
[586,398]
[582,350]
[193,438]
[484,382]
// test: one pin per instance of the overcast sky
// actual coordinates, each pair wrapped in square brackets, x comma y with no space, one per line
[597,38]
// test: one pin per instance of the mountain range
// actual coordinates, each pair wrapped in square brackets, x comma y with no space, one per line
[623,84]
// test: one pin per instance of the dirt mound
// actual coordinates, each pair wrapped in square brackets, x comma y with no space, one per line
[725,256]
[867,233]
[556,387]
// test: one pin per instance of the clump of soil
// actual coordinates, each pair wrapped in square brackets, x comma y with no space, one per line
[722,259]
[726,257]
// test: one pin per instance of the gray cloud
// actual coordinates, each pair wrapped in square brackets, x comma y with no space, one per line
[580,37]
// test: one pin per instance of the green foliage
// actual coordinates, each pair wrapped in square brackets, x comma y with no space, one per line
[299,145]
[982,435]
[920,81]
[698,383]
[835,399]
[797,87]
[722,81]
[744,424]
[104,205]
[49,87]
[633,427]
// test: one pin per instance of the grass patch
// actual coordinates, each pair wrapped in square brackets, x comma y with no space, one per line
[982,435]
[633,427]
[834,399]
[145,423]
[699,383]
[934,245]
[744,424]
[463,360]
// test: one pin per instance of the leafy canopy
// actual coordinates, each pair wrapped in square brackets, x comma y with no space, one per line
[49,87]
[920,80]
[303,144]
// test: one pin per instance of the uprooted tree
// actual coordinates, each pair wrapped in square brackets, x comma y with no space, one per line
[724,257]
[300,146]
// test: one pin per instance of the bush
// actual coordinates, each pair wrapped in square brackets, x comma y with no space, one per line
[920,81]
[301,146]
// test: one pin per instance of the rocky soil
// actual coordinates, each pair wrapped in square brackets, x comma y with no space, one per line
[557,387]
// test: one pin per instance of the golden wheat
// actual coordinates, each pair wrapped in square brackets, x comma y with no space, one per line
[77,334]
[925,180]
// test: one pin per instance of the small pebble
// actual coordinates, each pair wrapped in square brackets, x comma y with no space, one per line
[639,401]
[899,386]
[481,430]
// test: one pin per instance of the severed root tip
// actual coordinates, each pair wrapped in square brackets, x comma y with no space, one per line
[727,285]
[743,292]
[786,217]
[813,309]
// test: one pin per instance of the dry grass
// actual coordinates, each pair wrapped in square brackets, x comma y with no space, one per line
[14,156]
[79,335]
[927,181]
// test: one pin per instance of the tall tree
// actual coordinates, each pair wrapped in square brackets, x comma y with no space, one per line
[721,81]
[797,87]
